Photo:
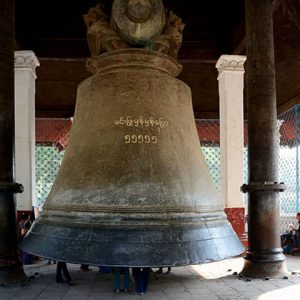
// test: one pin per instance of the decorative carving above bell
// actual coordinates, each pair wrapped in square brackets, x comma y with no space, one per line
[134,23]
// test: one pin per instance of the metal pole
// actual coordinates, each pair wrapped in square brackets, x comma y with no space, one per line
[264,256]
[11,268]
[297,156]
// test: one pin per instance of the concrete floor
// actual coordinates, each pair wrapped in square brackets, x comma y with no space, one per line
[205,282]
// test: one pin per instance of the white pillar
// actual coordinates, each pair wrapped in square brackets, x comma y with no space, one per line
[25,64]
[231,83]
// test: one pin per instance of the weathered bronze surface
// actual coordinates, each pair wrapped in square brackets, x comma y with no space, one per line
[133,188]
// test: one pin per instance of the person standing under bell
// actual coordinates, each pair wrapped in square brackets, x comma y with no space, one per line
[141,277]
[62,268]
[118,272]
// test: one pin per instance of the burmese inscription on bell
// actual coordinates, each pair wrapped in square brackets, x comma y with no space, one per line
[140,121]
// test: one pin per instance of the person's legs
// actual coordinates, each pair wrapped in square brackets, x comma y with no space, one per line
[288,249]
[66,272]
[117,280]
[145,276]
[58,271]
[126,279]
[137,275]
[26,258]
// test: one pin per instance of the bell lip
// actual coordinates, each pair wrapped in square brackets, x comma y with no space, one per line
[133,58]
[177,247]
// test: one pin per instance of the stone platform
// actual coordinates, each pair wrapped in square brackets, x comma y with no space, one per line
[213,281]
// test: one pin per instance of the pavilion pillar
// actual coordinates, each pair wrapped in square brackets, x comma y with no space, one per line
[25,64]
[264,256]
[11,268]
[231,85]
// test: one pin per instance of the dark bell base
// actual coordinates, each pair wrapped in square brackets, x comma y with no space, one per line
[272,265]
[146,247]
[13,274]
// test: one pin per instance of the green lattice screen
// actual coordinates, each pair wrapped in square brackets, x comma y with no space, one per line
[47,163]
[48,160]
[289,161]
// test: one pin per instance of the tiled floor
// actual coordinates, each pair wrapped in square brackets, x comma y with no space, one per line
[205,282]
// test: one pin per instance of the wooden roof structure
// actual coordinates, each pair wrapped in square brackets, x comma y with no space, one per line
[55,31]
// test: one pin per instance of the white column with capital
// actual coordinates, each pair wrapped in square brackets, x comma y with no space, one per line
[25,65]
[231,84]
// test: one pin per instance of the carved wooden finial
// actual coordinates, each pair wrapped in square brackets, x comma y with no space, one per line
[134,23]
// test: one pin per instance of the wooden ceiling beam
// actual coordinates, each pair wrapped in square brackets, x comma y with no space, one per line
[200,51]
[238,43]
[206,51]
[54,114]
[208,115]
[288,105]
[62,76]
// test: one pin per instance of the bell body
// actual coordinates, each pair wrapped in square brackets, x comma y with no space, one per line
[133,188]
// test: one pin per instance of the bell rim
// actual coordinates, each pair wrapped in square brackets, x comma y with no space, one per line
[179,246]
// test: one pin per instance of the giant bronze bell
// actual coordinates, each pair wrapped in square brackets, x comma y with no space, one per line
[133,188]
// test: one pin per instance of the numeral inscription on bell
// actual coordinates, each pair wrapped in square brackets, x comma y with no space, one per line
[140,139]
